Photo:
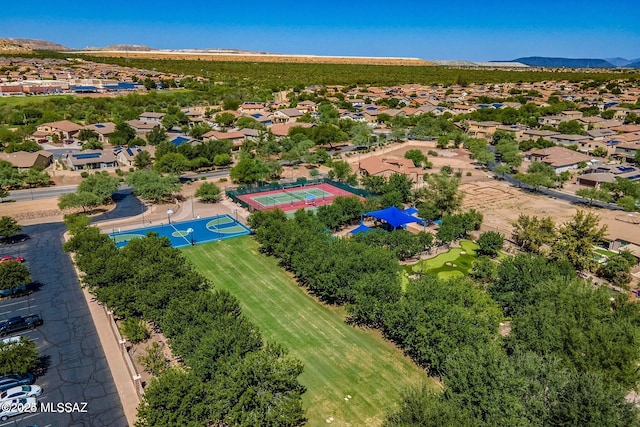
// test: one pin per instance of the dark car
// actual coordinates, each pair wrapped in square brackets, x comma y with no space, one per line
[19,323]
[14,380]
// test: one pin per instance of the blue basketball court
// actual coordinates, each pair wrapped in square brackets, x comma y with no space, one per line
[188,233]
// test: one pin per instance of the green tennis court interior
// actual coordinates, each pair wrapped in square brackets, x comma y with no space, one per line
[353,376]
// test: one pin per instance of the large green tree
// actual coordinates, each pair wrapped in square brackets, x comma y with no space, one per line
[151,185]
[576,239]
[9,227]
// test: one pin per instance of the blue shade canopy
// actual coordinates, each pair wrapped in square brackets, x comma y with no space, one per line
[394,217]
[360,229]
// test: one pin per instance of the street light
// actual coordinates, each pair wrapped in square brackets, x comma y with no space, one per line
[169,213]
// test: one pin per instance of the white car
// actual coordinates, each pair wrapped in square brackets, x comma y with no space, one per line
[15,407]
[20,391]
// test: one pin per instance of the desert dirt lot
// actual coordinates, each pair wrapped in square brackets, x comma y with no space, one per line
[500,203]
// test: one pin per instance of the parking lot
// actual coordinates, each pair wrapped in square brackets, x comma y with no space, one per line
[78,386]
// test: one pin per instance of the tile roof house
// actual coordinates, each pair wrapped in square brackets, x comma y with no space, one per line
[482,129]
[149,117]
[141,127]
[282,129]
[23,160]
[104,130]
[90,159]
[560,158]
[387,166]
[127,155]
[65,129]
[286,115]
[237,138]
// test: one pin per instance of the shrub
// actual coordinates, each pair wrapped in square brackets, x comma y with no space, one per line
[154,362]
[432,153]
[135,330]
[469,174]
[84,174]
[314,172]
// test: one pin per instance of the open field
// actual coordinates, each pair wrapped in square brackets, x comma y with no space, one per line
[258,57]
[339,359]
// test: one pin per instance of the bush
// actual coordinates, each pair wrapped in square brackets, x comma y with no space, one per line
[432,153]
[119,172]
[84,174]
[154,362]
[314,172]
[469,174]
[221,179]
[135,330]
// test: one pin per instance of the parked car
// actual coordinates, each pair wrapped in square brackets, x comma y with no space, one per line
[8,258]
[42,141]
[14,292]
[19,323]
[15,380]
[17,407]
[21,392]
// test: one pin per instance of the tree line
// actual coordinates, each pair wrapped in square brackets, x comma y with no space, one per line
[230,375]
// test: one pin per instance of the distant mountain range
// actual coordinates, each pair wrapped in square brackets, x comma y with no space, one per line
[541,61]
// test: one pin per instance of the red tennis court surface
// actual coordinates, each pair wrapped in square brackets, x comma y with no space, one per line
[295,197]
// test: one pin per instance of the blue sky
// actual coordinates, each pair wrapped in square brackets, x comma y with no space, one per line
[444,29]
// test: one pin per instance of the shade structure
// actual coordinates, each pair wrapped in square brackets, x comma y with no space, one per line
[394,217]
[360,229]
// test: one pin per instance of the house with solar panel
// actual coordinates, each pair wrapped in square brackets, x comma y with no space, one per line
[126,155]
[104,130]
[90,159]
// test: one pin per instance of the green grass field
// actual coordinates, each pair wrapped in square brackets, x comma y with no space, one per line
[459,264]
[339,360]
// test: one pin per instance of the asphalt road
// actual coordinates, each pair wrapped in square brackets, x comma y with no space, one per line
[77,370]
[55,191]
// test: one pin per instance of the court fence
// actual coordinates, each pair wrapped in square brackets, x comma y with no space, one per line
[234,193]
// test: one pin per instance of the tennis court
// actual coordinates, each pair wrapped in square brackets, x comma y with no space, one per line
[294,198]
[188,233]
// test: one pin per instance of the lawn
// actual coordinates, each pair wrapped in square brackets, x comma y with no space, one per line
[340,360]
[449,264]
[22,100]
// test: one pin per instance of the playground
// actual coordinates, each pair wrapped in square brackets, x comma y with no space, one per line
[294,197]
[187,233]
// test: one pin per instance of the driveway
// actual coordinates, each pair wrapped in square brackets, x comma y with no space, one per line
[77,370]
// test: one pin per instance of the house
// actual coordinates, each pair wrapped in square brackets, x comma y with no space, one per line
[236,138]
[482,129]
[90,159]
[148,117]
[608,173]
[64,129]
[282,130]
[127,155]
[387,166]
[566,140]
[249,108]
[514,130]
[286,115]
[307,106]
[560,158]
[623,232]
[142,128]
[554,120]
[534,134]
[23,160]
[626,150]
[104,130]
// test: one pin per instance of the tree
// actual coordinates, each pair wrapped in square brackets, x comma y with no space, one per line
[157,135]
[101,185]
[135,330]
[13,274]
[442,191]
[592,194]
[249,171]
[341,171]
[425,407]
[142,160]
[18,357]
[92,144]
[209,192]
[484,270]
[151,185]
[617,270]
[417,156]
[490,243]
[83,199]
[600,152]
[576,239]
[122,134]
[225,119]
[502,170]
[154,361]
[87,134]
[571,127]
[3,193]
[9,227]
[532,232]
[222,159]
[174,163]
